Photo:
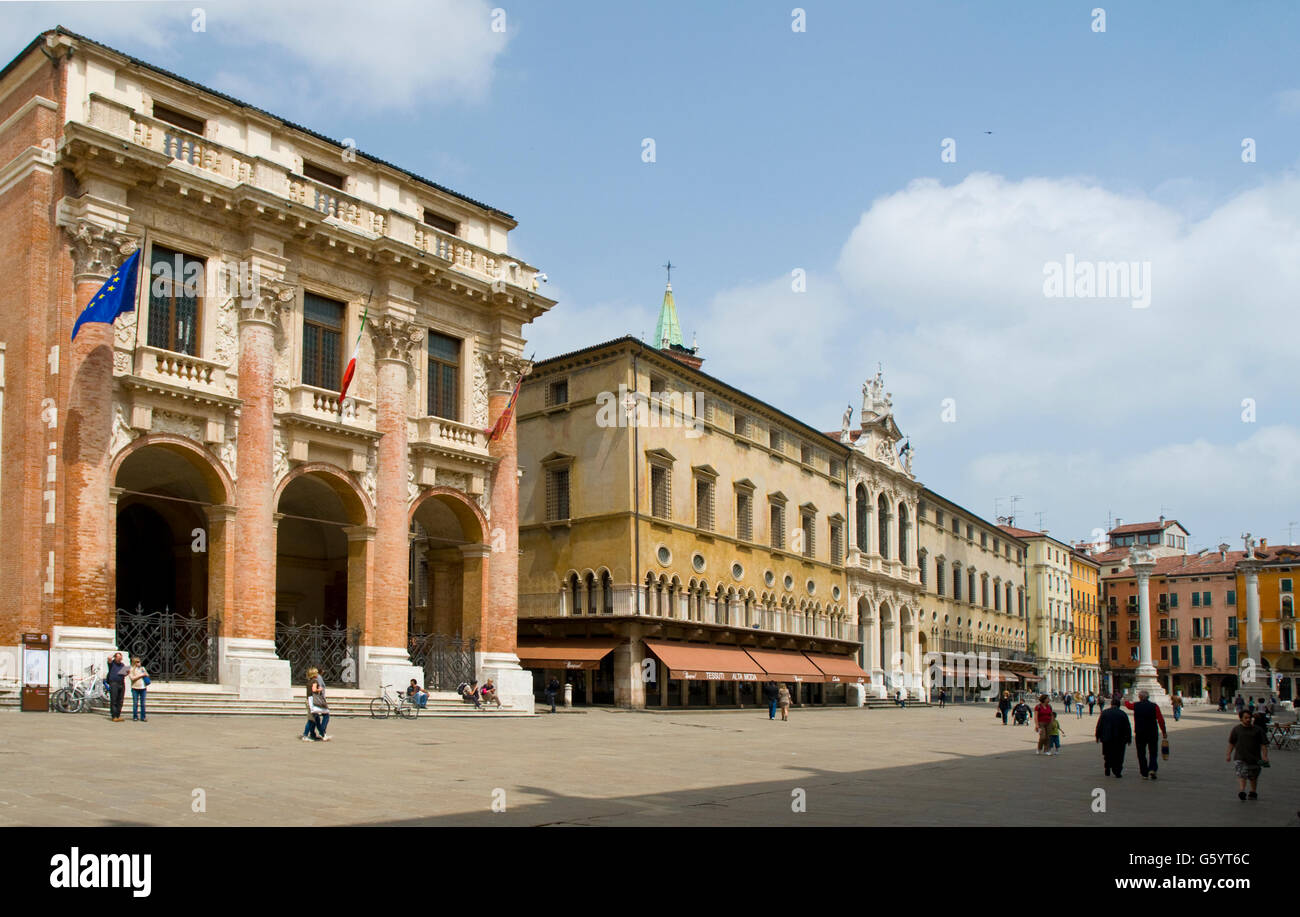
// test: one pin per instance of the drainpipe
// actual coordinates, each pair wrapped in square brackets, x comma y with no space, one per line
[636,491]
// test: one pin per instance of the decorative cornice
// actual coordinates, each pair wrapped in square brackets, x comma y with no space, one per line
[394,338]
[504,369]
[268,303]
[96,251]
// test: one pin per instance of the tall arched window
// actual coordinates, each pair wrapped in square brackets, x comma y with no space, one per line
[591,594]
[863,514]
[575,595]
[606,593]
[902,532]
[882,510]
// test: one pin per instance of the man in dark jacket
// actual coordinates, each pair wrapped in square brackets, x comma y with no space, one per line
[1114,733]
[770,694]
[1148,727]
[116,686]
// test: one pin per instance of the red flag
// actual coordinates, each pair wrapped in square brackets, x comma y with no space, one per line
[503,422]
[352,364]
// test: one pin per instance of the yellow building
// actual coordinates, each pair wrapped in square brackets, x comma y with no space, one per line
[1278,569]
[682,542]
[1085,599]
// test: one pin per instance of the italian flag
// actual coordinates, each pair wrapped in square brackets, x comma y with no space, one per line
[352,364]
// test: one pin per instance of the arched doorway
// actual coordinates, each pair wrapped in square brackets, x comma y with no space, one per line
[322,540]
[449,568]
[165,491]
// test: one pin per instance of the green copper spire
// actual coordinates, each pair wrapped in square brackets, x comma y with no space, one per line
[668,331]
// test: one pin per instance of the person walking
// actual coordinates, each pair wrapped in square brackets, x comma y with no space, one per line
[770,694]
[552,689]
[1004,706]
[943,697]
[1239,704]
[1078,705]
[1177,703]
[1114,733]
[1043,714]
[1223,703]
[1248,744]
[783,701]
[1055,732]
[116,679]
[1148,729]
[138,675]
[320,709]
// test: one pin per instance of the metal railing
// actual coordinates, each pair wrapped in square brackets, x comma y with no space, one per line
[172,646]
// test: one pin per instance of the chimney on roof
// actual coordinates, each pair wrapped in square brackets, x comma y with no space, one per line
[1223,552]
[1162,519]
[1118,522]
[1263,543]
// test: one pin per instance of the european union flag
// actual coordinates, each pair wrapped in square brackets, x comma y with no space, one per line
[114,297]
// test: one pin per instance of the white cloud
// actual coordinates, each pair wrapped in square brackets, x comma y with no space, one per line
[1288,101]
[333,52]
[943,284]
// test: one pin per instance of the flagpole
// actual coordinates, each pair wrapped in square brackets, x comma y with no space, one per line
[135,346]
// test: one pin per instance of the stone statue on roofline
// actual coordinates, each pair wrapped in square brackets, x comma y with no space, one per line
[844,424]
[1250,545]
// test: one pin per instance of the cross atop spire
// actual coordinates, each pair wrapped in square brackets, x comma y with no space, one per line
[669,268]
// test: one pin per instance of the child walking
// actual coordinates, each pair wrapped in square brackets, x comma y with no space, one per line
[1054,732]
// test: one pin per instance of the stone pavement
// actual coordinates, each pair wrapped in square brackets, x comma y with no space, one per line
[957,766]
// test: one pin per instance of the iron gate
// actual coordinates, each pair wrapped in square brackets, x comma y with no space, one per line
[333,650]
[173,647]
[447,661]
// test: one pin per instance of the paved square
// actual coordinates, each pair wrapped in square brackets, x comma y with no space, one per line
[957,766]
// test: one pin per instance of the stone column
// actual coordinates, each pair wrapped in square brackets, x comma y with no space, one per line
[221,560]
[384,655]
[1252,669]
[501,602]
[629,671]
[1143,563]
[248,658]
[85,626]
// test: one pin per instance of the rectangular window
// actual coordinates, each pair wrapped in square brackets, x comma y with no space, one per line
[1196,600]
[176,118]
[837,547]
[1173,600]
[1209,654]
[1286,584]
[557,393]
[956,526]
[1196,654]
[940,584]
[776,523]
[742,424]
[1232,628]
[984,539]
[1206,628]
[744,517]
[660,492]
[324,176]
[837,469]
[1196,628]
[806,454]
[322,341]
[175,291]
[1114,653]
[956,584]
[809,536]
[1232,655]
[938,517]
[774,440]
[1173,656]
[440,222]
[557,494]
[1164,652]
[444,377]
[704,505]
[1232,597]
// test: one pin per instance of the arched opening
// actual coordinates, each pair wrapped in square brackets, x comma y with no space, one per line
[882,523]
[606,593]
[862,510]
[902,532]
[165,544]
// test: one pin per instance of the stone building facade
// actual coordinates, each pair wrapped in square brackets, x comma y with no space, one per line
[193,465]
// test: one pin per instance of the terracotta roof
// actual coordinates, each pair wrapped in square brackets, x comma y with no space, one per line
[1110,555]
[1020,533]
[1186,565]
[1145,527]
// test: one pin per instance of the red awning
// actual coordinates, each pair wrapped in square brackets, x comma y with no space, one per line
[784,666]
[839,669]
[565,653]
[698,661]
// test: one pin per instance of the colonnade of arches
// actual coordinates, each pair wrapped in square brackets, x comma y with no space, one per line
[175,544]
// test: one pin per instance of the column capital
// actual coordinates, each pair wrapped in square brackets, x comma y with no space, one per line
[503,369]
[475,550]
[97,251]
[395,338]
[267,304]
[360,533]
[220,512]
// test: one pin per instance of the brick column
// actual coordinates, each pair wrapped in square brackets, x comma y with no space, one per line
[85,625]
[248,657]
[384,655]
[500,623]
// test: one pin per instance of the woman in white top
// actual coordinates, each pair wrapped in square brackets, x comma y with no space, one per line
[137,675]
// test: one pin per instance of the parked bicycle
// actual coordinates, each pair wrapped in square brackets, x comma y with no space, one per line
[82,693]
[398,704]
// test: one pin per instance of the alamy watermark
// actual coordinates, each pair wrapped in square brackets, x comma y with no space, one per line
[1073,279]
[626,408]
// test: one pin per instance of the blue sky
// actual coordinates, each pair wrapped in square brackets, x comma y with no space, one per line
[820,150]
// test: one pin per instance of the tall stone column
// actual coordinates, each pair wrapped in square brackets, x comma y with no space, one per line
[248,658]
[1143,563]
[501,605]
[85,630]
[385,658]
[1252,668]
